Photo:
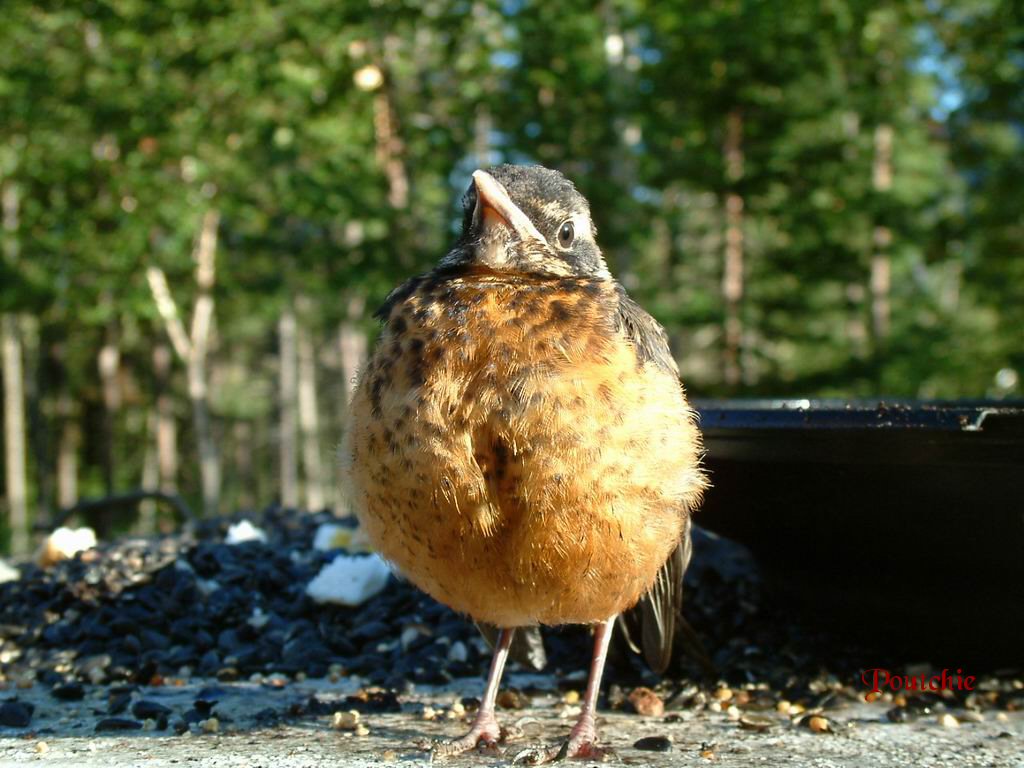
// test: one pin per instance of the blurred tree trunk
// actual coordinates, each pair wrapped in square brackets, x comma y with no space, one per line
[617,152]
[202,320]
[67,456]
[309,422]
[36,387]
[264,433]
[483,125]
[352,345]
[389,147]
[108,363]
[352,349]
[166,426]
[67,431]
[732,274]
[242,434]
[193,349]
[145,524]
[390,151]
[14,436]
[881,264]
[16,478]
[288,386]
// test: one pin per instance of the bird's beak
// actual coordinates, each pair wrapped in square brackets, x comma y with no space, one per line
[495,208]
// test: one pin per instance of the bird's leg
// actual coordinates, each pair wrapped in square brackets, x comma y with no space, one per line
[582,741]
[583,736]
[485,730]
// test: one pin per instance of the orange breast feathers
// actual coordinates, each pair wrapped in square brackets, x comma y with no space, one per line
[514,457]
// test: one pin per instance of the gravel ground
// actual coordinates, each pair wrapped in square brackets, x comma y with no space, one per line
[188,649]
[64,735]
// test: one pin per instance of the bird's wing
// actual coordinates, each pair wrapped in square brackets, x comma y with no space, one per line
[651,626]
[645,334]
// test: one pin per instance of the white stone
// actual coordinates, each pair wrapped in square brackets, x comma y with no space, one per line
[244,531]
[349,580]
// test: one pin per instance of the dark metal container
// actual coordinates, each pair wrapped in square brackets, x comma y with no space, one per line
[900,521]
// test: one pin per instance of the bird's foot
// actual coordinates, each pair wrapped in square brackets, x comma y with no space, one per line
[484,736]
[582,744]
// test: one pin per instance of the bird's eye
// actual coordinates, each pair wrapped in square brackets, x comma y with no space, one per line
[566,234]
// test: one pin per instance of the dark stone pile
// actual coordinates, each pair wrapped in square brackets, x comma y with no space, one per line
[137,611]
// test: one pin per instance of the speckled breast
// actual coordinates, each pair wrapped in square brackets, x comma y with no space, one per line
[513,456]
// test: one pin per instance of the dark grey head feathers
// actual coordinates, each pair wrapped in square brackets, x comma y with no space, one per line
[527,219]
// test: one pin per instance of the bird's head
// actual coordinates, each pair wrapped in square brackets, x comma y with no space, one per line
[527,219]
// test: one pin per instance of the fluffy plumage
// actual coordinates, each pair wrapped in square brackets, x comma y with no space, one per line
[520,445]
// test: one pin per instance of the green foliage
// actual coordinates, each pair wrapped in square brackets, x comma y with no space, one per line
[123,122]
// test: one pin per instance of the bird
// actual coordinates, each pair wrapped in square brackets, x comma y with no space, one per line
[520,446]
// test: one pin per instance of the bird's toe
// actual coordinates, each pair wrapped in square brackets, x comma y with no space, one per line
[484,736]
[583,748]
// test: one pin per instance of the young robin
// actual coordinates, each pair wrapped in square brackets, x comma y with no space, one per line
[520,446]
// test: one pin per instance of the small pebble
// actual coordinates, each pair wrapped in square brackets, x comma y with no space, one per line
[68,692]
[654,744]
[733,712]
[512,699]
[458,652]
[42,747]
[571,697]
[946,720]
[899,715]
[389,755]
[752,722]
[345,721]
[276,680]
[143,709]
[723,694]
[16,714]
[819,724]
[408,637]
[117,724]
[118,702]
[646,702]
[210,725]
[362,730]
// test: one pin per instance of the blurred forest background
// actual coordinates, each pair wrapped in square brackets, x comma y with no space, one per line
[203,201]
